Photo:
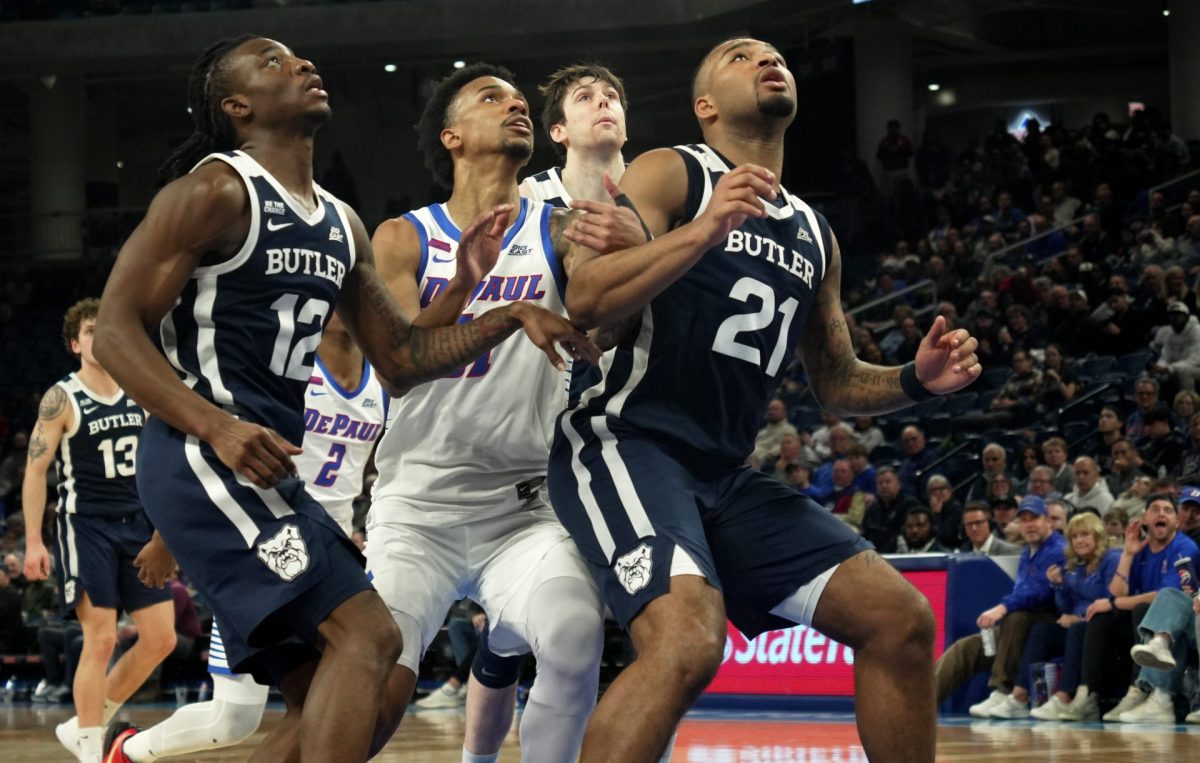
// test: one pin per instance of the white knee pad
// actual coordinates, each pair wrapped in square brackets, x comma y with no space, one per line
[239,689]
[567,630]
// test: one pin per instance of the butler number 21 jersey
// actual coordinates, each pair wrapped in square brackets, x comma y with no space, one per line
[714,346]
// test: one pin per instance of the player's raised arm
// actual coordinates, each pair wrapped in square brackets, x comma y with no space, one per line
[604,291]
[197,219]
[845,385]
[405,354]
[54,419]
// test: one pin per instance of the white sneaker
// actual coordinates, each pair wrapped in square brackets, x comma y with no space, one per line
[1157,709]
[1085,707]
[1010,708]
[1192,717]
[443,696]
[1132,699]
[1050,710]
[984,709]
[68,734]
[1155,653]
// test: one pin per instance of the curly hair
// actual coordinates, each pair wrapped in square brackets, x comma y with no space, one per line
[436,116]
[554,90]
[209,83]
[84,309]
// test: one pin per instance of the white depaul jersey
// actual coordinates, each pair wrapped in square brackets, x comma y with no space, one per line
[340,429]
[475,444]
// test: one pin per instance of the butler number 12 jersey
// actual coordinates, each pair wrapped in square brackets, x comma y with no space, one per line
[714,346]
[475,444]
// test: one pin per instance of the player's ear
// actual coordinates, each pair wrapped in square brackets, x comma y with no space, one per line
[236,106]
[704,107]
[558,133]
[450,138]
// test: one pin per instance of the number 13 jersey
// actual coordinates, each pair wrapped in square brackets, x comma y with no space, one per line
[244,332]
[714,346]
[96,458]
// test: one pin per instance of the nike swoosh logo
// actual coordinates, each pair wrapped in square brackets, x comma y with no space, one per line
[438,259]
[316,394]
[89,411]
[271,226]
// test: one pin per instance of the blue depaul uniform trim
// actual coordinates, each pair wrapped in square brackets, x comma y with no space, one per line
[439,213]
[1032,589]
[424,244]
[345,393]
[552,256]
[1080,587]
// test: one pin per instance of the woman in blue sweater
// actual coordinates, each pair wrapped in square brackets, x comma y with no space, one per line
[1089,568]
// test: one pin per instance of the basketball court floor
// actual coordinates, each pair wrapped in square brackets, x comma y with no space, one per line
[706,736]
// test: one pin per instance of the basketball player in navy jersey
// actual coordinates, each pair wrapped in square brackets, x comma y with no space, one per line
[457,510]
[345,413]
[89,429]
[236,268]
[647,473]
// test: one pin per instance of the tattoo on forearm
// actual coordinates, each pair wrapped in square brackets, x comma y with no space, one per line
[611,335]
[53,403]
[37,444]
[436,352]
[560,220]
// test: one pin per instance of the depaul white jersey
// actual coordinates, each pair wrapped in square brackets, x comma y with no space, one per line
[340,429]
[475,444]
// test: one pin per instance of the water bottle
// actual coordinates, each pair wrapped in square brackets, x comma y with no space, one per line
[1040,695]
[202,692]
[10,689]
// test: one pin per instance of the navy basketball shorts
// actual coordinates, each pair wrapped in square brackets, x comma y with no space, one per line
[628,503]
[270,564]
[95,555]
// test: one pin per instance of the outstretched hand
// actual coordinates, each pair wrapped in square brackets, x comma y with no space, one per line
[606,227]
[479,245]
[946,360]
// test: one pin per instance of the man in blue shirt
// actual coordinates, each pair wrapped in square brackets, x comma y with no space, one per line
[1146,570]
[1031,601]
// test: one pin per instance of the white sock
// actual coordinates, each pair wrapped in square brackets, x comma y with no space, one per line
[90,739]
[470,757]
[1162,698]
[110,709]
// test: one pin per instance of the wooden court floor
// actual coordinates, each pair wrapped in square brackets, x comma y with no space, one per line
[435,736]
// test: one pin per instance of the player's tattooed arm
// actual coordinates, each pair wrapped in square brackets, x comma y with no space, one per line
[571,255]
[54,402]
[840,381]
[54,418]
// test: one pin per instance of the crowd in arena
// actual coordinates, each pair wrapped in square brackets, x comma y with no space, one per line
[1074,271]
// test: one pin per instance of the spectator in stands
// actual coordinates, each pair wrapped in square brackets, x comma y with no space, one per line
[12,472]
[1066,207]
[1082,580]
[1169,633]
[1017,401]
[845,500]
[1131,502]
[947,512]
[1179,347]
[920,536]
[995,462]
[1187,244]
[1163,446]
[981,536]
[820,436]
[1005,511]
[918,457]
[894,153]
[867,434]
[1189,463]
[1147,565]
[767,440]
[1029,459]
[1127,466]
[884,518]
[1062,383]
[1095,243]
[1076,332]
[840,441]
[864,472]
[798,477]
[1115,521]
[1000,486]
[1089,489]
[1054,454]
[1007,216]
[1145,394]
[1189,512]
[1056,514]
[1150,298]
[1099,444]
[1021,331]
[1178,291]
[910,340]
[789,453]
[1041,482]
[1125,331]
[1030,602]
[1183,407]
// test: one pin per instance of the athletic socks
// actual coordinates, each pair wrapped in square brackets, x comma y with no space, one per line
[110,709]
[470,757]
[90,739]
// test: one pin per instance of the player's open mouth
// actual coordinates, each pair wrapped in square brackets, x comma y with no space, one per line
[315,87]
[520,124]
[774,78]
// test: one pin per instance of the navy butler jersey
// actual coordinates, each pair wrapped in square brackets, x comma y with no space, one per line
[714,346]
[244,332]
[96,458]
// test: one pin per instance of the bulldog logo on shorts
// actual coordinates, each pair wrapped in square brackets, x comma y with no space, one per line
[285,553]
[633,569]
[69,592]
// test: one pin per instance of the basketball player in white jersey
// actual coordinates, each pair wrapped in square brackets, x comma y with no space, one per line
[458,510]
[584,116]
[89,429]
[344,415]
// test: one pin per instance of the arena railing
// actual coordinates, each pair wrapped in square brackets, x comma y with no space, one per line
[920,286]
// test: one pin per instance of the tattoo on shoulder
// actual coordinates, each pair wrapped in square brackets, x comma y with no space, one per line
[54,402]
[560,219]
